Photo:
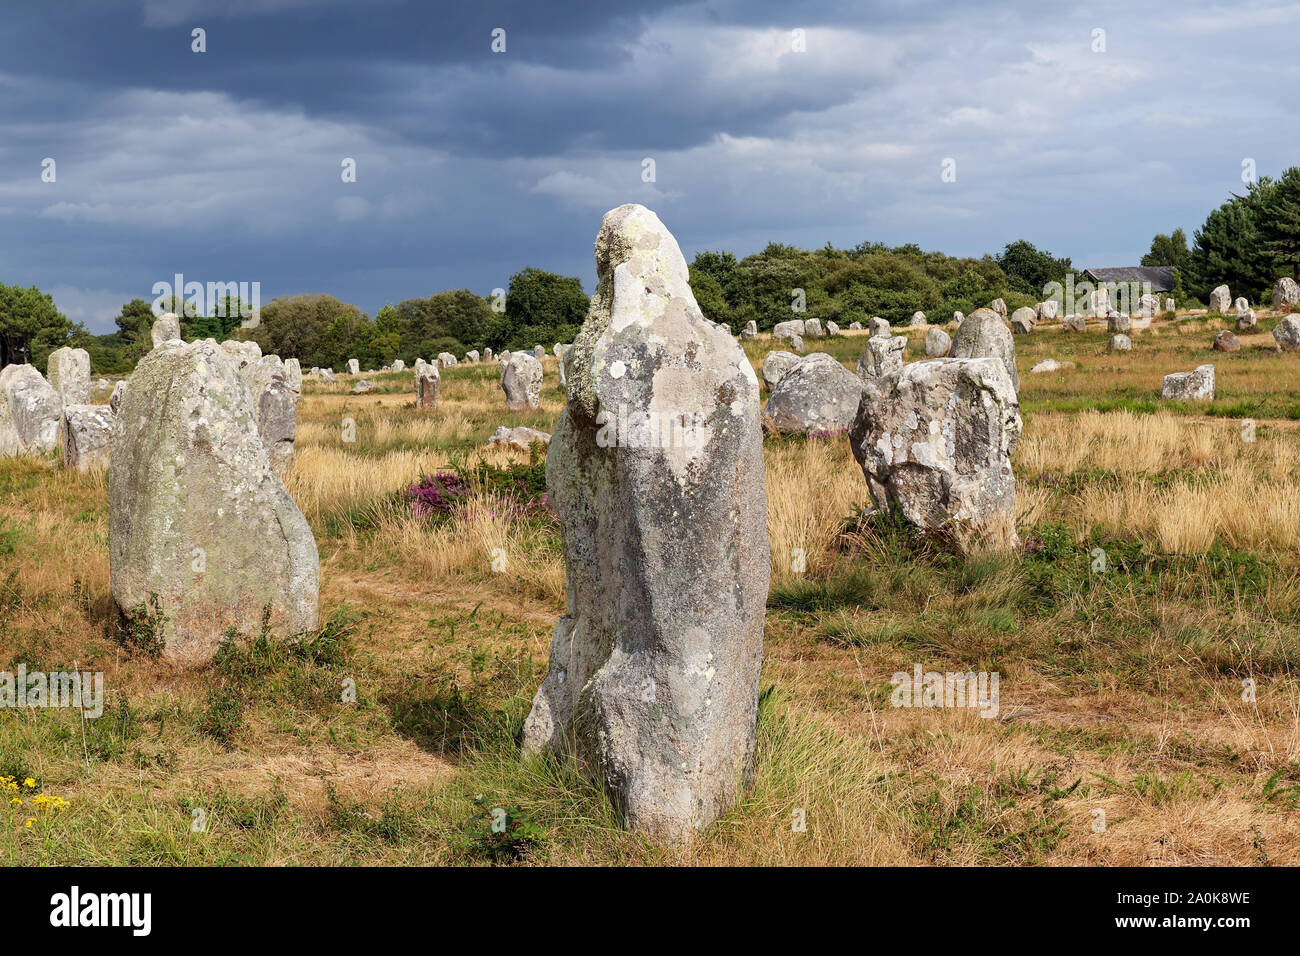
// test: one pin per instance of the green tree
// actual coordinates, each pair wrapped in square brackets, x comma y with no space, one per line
[30,326]
[297,326]
[1170,250]
[1227,247]
[541,308]
[1279,225]
[1029,269]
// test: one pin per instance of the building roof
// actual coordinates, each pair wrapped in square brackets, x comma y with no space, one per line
[1160,277]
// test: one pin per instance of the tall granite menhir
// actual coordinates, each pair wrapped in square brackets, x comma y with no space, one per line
[654,671]
[200,528]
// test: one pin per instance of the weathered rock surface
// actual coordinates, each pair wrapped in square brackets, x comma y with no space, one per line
[201,530]
[776,364]
[917,319]
[999,306]
[1286,294]
[115,400]
[935,441]
[818,394]
[363,386]
[878,326]
[1118,322]
[1047,310]
[1287,333]
[937,342]
[354,367]
[447,360]
[750,331]
[428,383]
[1196,385]
[69,374]
[30,412]
[983,335]
[1246,321]
[653,679]
[521,380]
[1119,342]
[1075,323]
[87,434]
[520,438]
[788,329]
[1225,341]
[1220,300]
[1049,365]
[1023,321]
[883,356]
[165,328]
[812,328]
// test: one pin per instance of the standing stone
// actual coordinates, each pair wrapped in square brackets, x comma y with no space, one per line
[1099,301]
[1287,333]
[1225,341]
[539,352]
[1149,306]
[1169,305]
[1220,300]
[277,423]
[363,387]
[327,375]
[1286,294]
[937,342]
[293,374]
[1119,343]
[115,400]
[654,671]
[1246,321]
[1048,309]
[883,356]
[1075,323]
[796,343]
[446,359]
[1196,385]
[935,441]
[1240,304]
[786,330]
[30,412]
[983,335]
[1023,321]
[776,364]
[958,318]
[878,326]
[398,366]
[813,329]
[354,367]
[817,394]
[832,329]
[521,380]
[165,328]
[917,319]
[487,355]
[200,529]
[999,306]
[855,326]
[69,374]
[1118,322]
[750,331]
[244,353]
[87,436]
[427,385]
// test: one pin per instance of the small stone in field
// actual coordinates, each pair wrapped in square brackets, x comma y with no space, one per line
[1196,385]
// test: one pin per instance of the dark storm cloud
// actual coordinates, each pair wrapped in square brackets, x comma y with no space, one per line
[225,165]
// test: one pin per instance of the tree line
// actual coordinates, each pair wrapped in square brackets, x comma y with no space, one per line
[1248,242]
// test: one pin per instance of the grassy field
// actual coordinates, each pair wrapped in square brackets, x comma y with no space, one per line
[1121,691]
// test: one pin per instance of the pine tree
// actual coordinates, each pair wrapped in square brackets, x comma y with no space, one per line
[1280,225]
